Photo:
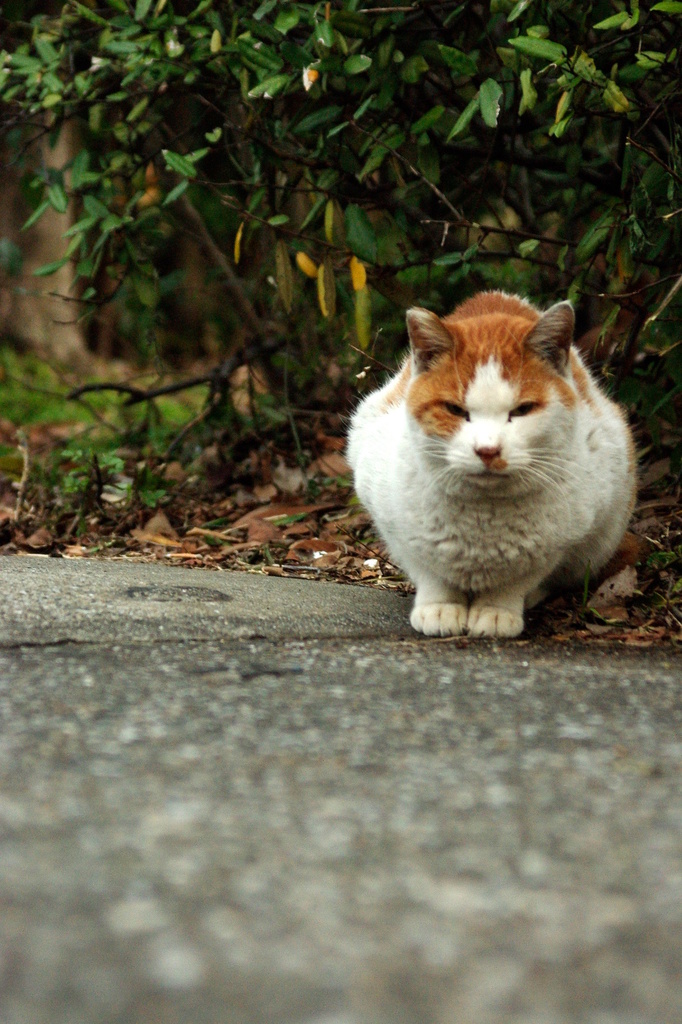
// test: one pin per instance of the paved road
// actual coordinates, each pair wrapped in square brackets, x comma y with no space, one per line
[228,798]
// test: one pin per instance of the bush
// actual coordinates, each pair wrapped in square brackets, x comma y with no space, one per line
[406,153]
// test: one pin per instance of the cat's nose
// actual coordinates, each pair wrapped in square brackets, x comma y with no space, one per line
[488,453]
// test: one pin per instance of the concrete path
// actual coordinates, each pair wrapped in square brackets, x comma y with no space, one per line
[230,798]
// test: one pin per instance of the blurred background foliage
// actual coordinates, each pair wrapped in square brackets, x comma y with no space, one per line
[274,183]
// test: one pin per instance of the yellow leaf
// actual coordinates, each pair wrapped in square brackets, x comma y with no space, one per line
[238,243]
[363,317]
[216,41]
[326,288]
[304,263]
[329,221]
[562,106]
[616,98]
[358,274]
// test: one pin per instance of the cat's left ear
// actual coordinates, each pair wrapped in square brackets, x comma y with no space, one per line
[552,335]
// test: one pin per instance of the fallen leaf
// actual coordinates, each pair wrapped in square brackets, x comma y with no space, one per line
[74,551]
[314,547]
[260,531]
[159,523]
[175,472]
[40,538]
[330,464]
[614,590]
[265,492]
[289,479]
[154,538]
[280,509]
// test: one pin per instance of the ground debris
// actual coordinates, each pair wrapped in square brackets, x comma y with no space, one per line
[273,514]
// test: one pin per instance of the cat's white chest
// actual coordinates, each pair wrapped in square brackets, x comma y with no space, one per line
[476,540]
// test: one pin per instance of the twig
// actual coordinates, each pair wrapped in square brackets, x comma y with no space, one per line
[666,301]
[417,173]
[630,348]
[21,492]
[252,321]
[194,422]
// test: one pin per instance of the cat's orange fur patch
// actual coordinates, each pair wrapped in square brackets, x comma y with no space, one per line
[580,379]
[397,388]
[488,327]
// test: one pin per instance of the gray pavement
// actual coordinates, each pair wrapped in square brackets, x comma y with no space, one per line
[230,798]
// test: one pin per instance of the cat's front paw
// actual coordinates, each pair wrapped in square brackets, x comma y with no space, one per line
[439,619]
[487,620]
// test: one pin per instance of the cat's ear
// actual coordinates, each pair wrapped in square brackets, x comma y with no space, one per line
[552,335]
[429,337]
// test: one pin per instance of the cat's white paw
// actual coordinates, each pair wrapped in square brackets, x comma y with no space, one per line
[439,619]
[486,620]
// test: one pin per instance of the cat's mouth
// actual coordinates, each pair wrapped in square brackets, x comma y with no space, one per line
[488,476]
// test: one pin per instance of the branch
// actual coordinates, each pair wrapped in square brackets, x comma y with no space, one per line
[252,321]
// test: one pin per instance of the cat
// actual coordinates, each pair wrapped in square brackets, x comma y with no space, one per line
[492,464]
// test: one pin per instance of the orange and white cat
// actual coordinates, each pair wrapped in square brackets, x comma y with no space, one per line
[492,464]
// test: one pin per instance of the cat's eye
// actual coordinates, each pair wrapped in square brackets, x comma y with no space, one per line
[456,410]
[523,409]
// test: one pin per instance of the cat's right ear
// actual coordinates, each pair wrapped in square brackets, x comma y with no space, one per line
[429,337]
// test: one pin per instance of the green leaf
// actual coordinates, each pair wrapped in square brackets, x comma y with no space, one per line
[593,237]
[95,207]
[668,7]
[364,107]
[57,197]
[529,95]
[50,268]
[286,20]
[278,220]
[264,9]
[142,9]
[528,247]
[178,163]
[428,120]
[269,87]
[373,162]
[413,69]
[175,193]
[464,118]
[357,63]
[46,50]
[458,61]
[311,122]
[518,9]
[89,15]
[490,101]
[544,48]
[450,259]
[360,235]
[615,21]
[324,33]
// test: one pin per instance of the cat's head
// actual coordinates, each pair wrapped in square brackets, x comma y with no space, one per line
[490,394]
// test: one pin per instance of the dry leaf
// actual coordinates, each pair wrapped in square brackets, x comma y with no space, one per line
[41,538]
[260,531]
[289,479]
[614,590]
[330,464]
[159,523]
[74,551]
[154,538]
[282,508]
